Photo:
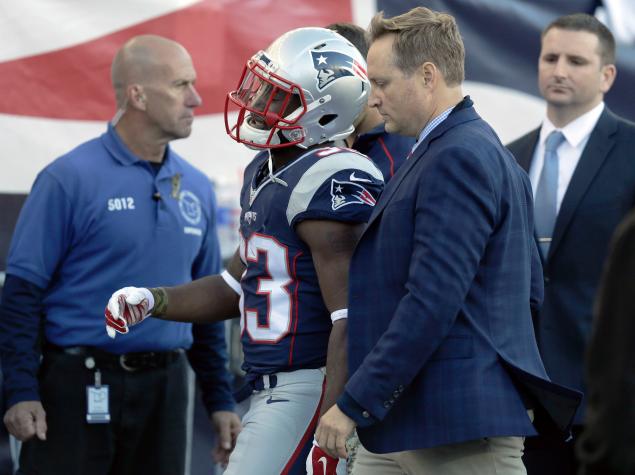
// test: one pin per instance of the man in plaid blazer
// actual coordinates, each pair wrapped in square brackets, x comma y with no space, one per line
[445,374]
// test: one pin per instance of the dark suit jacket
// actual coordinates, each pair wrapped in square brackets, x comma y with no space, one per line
[607,444]
[441,344]
[601,192]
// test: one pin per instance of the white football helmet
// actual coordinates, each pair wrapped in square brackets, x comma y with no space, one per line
[307,88]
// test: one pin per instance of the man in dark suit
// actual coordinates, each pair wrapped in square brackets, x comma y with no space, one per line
[443,362]
[606,445]
[583,187]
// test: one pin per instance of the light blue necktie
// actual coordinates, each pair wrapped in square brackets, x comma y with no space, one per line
[546,203]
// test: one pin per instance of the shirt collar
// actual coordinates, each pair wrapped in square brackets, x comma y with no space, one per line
[120,151]
[431,126]
[576,131]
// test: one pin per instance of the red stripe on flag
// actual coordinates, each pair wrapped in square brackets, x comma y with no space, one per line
[74,82]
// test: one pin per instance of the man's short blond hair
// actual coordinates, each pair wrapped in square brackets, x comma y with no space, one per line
[424,35]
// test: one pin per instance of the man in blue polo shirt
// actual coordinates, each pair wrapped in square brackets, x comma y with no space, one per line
[117,209]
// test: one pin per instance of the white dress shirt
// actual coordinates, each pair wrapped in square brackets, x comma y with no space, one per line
[576,134]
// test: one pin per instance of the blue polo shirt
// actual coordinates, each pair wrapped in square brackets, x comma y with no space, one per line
[98,219]
[91,226]
[387,151]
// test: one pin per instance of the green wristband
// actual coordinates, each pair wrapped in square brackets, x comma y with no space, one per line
[160,301]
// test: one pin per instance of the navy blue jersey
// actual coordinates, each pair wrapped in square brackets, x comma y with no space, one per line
[285,323]
[387,151]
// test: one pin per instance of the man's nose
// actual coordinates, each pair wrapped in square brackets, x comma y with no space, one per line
[561,68]
[194,98]
[373,98]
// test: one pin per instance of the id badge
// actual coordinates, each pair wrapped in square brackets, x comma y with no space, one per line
[98,411]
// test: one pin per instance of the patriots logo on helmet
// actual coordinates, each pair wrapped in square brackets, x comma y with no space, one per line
[331,65]
[347,193]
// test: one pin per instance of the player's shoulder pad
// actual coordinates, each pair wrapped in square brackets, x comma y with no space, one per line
[331,161]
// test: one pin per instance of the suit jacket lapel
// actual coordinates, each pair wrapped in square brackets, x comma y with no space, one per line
[458,116]
[396,180]
[597,149]
[526,155]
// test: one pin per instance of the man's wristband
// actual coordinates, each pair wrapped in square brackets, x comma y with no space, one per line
[233,283]
[339,314]
[160,301]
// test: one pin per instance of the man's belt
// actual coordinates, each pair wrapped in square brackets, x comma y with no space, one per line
[126,361]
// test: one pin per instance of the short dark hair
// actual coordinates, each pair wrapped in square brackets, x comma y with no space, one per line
[424,35]
[588,23]
[353,33]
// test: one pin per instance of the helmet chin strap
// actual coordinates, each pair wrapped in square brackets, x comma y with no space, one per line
[271,176]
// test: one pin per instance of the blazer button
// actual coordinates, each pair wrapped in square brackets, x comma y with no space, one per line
[386,404]
[400,388]
[547,280]
[396,394]
[365,415]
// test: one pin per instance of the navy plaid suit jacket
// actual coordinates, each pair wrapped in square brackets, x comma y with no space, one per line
[442,285]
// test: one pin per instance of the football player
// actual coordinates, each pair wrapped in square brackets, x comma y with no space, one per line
[304,204]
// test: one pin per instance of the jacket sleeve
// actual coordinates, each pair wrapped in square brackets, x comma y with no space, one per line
[20,324]
[40,241]
[208,357]
[208,354]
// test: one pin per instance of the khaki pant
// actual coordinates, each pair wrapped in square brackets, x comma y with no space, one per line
[489,456]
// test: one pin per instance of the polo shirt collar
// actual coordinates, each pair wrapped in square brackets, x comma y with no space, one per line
[121,153]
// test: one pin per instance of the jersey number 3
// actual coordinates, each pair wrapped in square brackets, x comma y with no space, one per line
[272,294]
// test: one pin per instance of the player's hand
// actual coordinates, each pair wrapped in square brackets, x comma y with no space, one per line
[227,426]
[127,307]
[26,419]
[333,431]
[320,463]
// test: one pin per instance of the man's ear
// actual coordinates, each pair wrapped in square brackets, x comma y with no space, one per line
[428,73]
[609,71]
[136,96]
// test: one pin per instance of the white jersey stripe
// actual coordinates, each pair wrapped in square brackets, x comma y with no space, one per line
[319,172]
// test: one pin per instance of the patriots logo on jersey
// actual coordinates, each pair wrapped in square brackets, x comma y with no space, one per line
[346,193]
[331,65]
[250,217]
